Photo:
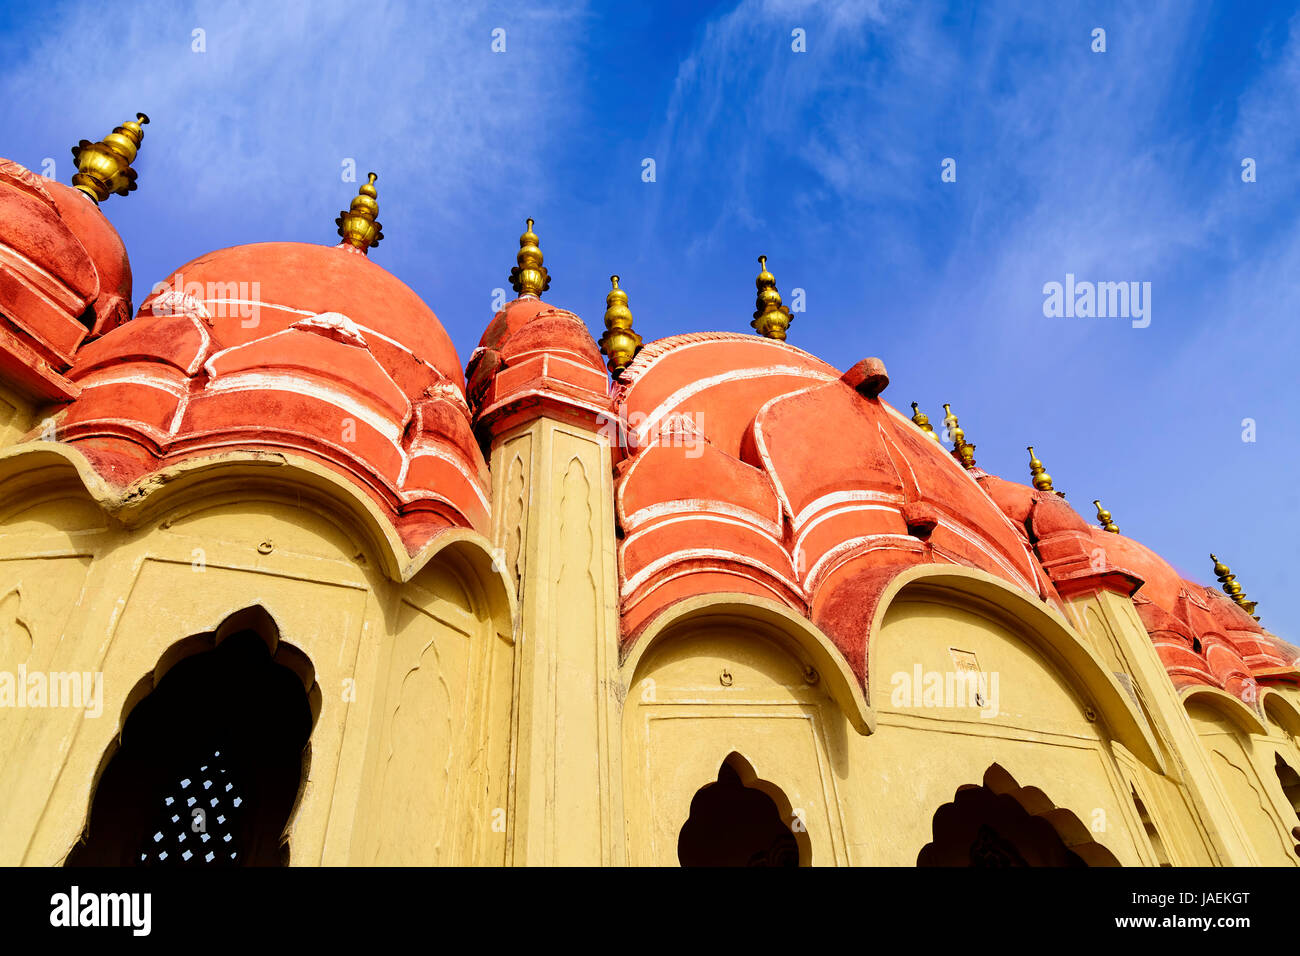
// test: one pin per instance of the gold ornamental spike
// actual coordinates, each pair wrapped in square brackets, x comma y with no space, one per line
[530,276]
[619,342]
[962,450]
[922,421]
[1042,480]
[358,225]
[1104,519]
[104,168]
[1228,580]
[950,424]
[771,318]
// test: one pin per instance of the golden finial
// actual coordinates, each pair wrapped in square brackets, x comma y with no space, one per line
[1042,480]
[1104,519]
[962,450]
[619,342]
[771,318]
[922,421]
[104,168]
[358,225]
[1231,588]
[530,276]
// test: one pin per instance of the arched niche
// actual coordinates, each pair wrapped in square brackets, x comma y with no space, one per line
[959,599]
[744,612]
[144,593]
[725,676]
[1217,707]
[195,483]
[210,756]
[999,823]
[741,820]
[434,785]
[1283,710]
[1236,743]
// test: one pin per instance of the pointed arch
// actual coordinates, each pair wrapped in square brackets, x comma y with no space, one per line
[1075,838]
[1040,626]
[1225,705]
[192,679]
[793,631]
[774,825]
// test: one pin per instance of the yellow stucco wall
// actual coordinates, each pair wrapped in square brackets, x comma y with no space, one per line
[473,705]
[410,682]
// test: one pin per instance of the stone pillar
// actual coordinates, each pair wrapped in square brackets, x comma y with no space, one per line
[1099,596]
[546,416]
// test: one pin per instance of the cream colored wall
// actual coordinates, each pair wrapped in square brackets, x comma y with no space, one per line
[439,744]
[1188,790]
[412,681]
[16,416]
[1045,734]
[718,682]
[726,686]
[554,530]
[460,723]
[1243,753]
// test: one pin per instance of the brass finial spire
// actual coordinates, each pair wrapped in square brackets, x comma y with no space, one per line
[104,168]
[922,421]
[962,450]
[358,225]
[1104,519]
[1231,588]
[619,342]
[771,318]
[530,276]
[1042,480]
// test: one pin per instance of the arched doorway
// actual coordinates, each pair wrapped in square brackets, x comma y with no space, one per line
[732,824]
[210,761]
[988,825]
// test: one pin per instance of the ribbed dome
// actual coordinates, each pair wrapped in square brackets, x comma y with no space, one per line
[291,280]
[757,467]
[112,306]
[64,276]
[311,349]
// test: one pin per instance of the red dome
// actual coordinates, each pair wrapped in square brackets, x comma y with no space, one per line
[732,486]
[513,316]
[1200,635]
[112,305]
[63,270]
[535,352]
[288,345]
[291,280]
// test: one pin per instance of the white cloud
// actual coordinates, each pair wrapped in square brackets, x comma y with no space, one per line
[284,92]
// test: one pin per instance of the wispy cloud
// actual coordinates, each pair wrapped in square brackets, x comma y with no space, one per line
[1115,166]
[257,126]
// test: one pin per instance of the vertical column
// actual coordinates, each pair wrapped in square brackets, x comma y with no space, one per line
[554,514]
[1116,618]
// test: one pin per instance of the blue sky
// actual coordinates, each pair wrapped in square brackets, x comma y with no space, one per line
[1115,166]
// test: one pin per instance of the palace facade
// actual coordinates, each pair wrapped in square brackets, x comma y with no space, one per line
[282,581]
